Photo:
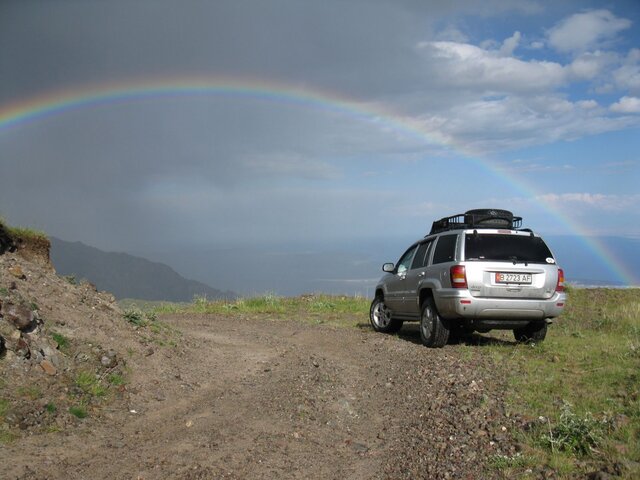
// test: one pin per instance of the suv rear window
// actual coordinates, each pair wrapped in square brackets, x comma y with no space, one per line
[445,249]
[520,248]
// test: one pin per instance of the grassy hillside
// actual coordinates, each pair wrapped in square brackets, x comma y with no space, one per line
[575,398]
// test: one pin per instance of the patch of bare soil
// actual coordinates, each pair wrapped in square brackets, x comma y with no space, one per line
[250,398]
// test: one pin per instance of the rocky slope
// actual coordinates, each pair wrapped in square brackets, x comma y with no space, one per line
[63,347]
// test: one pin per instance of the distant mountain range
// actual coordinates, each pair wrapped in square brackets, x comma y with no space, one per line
[127,276]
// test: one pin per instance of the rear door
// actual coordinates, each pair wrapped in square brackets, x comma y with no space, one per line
[509,264]
[414,276]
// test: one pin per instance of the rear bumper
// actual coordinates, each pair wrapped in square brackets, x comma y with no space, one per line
[455,303]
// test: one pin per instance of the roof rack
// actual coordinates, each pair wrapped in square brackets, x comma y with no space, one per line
[485,218]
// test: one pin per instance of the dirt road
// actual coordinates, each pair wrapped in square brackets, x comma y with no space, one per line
[265,399]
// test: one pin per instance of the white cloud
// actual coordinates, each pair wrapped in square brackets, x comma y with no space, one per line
[592,200]
[589,65]
[583,31]
[628,75]
[510,44]
[516,121]
[626,105]
[467,65]
[587,104]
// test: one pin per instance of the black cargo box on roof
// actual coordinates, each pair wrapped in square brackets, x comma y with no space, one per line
[478,218]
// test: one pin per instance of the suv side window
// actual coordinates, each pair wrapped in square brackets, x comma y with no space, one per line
[445,249]
[422,255]
[405,261]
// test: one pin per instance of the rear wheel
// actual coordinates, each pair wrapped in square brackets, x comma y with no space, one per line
[532,333]
[434,332]
[380,317]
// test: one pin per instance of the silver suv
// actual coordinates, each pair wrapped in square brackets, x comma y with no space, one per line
[475,271]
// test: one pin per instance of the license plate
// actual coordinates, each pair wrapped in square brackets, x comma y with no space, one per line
[502,277]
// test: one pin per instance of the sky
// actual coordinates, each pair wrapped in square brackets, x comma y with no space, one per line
[161,125]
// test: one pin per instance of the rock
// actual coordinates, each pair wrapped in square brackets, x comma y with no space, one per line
[36,356]
[48,367]
[19,316]
[598,476]
[22,349]
[17,272]
[360,447]
[109,359]
[3,349]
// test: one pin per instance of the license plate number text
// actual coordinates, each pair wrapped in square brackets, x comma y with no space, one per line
[502,277]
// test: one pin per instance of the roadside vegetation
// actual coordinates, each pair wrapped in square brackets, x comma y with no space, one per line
[578,392]
[576,396]
[22,232]
[340,311]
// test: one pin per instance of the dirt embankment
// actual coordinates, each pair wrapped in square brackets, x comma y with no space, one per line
[233,397]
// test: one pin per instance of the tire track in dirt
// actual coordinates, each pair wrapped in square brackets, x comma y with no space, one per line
[256,398]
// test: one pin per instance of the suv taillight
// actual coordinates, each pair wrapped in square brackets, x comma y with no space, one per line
[458,276]
[560,285]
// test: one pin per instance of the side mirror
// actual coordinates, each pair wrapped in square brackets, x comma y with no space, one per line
[388,267]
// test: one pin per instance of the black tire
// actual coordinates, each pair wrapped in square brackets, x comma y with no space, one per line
[381,319]
[532,333]
[434,332]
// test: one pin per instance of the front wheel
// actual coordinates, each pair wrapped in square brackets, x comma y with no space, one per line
[434,332]
[532,333]
[380,317]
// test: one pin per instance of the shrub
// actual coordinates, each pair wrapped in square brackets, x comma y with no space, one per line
[78,412]
[135,316]
[573,433]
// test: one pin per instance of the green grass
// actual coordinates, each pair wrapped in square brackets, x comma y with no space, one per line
[139,317]
[4,408]
[78,412]
[90,384]
[116,379]
[584,380]
[61,340]
[5,435]
[26,233]
[334,310]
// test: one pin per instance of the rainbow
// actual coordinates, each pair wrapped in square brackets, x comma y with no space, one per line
[58,102]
